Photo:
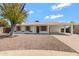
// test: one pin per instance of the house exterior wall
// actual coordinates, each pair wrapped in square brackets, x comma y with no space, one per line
[23,28]
[50,29]
[33,29]
[47,31]
[43,32]
[55,29]
[76,29]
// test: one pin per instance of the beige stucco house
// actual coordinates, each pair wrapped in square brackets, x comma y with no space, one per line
[46,28]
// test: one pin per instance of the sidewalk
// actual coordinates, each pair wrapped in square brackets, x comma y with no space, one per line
[36,53]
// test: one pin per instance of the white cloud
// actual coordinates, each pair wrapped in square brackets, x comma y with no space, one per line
[31,12]
[54,16]
[46,17]
[60,6]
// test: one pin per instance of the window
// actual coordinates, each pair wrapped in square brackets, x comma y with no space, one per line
[43,28]
[18,28]
[27,28]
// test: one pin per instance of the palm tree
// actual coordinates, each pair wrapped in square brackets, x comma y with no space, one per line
[14,12]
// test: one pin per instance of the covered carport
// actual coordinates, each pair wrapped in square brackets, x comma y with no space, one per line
[56,28]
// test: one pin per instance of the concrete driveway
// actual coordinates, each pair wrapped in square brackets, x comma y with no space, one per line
[70,40]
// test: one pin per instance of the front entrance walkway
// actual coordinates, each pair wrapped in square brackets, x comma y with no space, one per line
[70,40]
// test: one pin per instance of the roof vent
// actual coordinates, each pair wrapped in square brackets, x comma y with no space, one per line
[36,21]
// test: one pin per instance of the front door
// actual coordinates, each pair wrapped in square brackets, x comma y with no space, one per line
[37,29]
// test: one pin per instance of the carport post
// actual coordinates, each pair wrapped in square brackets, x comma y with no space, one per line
[64,29]
[49,29]
[71,29]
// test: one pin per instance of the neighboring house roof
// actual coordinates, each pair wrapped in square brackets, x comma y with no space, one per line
[46,23]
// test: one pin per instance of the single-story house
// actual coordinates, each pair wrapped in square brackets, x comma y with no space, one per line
[47,28]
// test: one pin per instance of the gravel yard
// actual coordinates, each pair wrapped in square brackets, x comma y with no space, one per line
[33,42]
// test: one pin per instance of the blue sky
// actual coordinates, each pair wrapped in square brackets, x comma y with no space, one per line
[52,12]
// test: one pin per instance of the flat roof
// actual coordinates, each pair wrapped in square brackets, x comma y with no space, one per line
[46,24]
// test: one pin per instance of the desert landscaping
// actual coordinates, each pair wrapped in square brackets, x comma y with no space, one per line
[34,44]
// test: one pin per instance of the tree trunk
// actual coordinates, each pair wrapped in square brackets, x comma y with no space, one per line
[12,29]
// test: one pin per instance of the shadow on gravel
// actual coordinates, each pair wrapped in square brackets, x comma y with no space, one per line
[7,36]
